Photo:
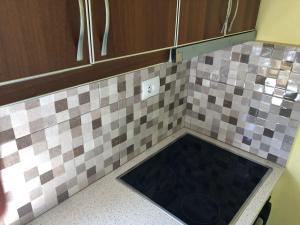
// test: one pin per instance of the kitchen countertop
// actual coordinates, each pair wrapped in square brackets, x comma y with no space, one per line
[109,202]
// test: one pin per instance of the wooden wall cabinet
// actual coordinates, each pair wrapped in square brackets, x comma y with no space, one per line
[246,15]
[135,26]
[203,19]
[40,36]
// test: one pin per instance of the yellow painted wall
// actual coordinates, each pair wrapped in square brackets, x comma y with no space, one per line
[279,22]
[286,195]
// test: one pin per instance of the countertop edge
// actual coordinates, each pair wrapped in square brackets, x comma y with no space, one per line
[107,200]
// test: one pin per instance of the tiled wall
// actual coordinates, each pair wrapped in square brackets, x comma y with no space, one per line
[53,146]
[247,96]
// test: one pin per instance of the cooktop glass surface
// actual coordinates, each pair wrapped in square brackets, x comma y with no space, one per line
[196,181]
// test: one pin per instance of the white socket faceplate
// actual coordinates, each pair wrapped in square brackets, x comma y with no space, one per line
[150,87]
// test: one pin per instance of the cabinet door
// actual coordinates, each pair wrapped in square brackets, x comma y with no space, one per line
[201,19]
[135,26]
[246,15]
[39,36]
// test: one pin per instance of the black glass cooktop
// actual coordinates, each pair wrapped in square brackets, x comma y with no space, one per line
[196,181]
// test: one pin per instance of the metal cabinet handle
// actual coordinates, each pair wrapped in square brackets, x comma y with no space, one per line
[106,31]
[177,25]
[225,25]
[235,14]
[81,32]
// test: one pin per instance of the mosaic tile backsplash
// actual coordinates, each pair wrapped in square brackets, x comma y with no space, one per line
[54,146]
[248,96]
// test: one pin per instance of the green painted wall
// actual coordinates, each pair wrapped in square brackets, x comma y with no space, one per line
[279,22]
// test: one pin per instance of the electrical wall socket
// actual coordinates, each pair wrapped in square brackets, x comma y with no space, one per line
[150,87]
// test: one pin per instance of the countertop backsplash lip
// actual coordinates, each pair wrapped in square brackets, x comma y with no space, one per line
[58,144]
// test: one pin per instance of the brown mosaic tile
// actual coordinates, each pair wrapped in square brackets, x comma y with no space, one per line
[238,91]
[244,58]
[46,177]
[227,104]
[115,141]
[285,112]
[75,122]
[62,197]
[201,117]
[122,138]
[212,99]
[25,210]
[6,136]
[209,60]
[96,123]
[268,133]
[84,98]
[121,86]
[272,158]
[24,142]
[78,151]
[235,56]
[92,171]
[61,105]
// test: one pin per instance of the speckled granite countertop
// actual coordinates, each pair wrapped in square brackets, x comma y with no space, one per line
[108,201]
